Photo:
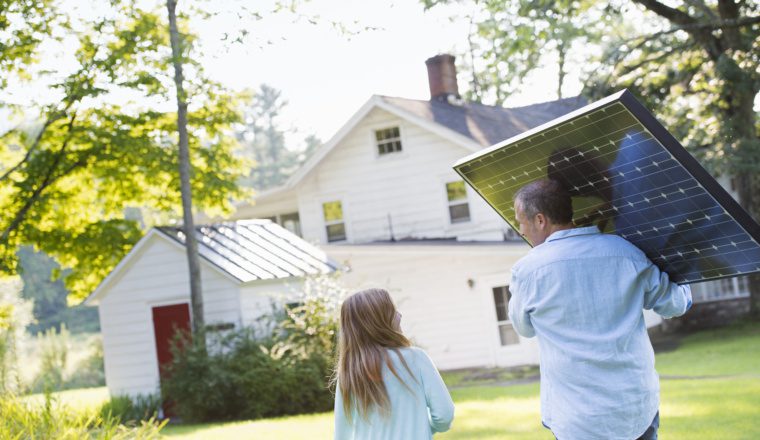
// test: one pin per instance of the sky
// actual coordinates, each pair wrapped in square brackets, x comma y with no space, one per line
[326,76]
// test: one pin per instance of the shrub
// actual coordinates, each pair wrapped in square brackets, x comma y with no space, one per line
[15,315]
[54,350]
[53,421]
[247,375]
[126,409]
[89,371]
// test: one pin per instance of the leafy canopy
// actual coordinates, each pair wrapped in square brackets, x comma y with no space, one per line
[100,140]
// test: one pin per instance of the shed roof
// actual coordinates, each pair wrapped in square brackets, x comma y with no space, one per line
[244,251]
[250,250]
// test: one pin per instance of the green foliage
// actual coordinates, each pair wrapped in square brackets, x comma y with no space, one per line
[514,38]
[130,410]
[66,178]
[261,371]
[55,421]
[701,85]
[247,378]
[53,354]
[23,26]
[50,296]
[90,371]
[262,140]
[15,315]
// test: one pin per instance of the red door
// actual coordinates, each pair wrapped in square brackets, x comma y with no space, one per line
[167,320]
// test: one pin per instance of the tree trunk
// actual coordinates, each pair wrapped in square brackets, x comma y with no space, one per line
[561,49]
[191,243]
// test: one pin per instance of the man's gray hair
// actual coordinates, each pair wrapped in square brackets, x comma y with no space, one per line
[547,197]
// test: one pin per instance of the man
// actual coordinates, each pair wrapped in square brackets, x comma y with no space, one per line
[582,293]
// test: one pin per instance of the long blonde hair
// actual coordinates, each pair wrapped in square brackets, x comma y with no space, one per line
[367,331]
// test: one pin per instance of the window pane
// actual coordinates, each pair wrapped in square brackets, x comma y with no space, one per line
[336,232]
[456,191]
[508,335]
[333,211]
[459,213]
[388,140]
[500,301]
[291,222]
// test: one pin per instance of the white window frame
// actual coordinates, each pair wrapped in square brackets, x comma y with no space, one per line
[334,222]
[449,203]
[505,322]
[376,143]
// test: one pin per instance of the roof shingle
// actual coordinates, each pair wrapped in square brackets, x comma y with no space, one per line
[485,124]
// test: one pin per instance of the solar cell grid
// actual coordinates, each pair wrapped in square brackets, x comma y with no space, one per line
[628,176]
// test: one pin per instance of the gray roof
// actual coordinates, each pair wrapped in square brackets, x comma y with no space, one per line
[485,124]
[252,250]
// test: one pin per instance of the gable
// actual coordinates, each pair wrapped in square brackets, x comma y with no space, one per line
[374,103]
[157,257]
[355,161]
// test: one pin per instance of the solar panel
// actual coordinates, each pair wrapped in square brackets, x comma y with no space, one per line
[628,176]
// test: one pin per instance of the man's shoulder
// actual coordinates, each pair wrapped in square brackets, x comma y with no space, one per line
[578,247]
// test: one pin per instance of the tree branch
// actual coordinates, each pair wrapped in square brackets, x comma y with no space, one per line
[665,54]
[46,182]
[700,4]
[702,34]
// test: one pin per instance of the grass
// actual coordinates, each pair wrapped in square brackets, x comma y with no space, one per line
[84,398]
[710,390]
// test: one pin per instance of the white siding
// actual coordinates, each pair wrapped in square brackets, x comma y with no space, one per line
[408,186]
[268,206]
[258,299]
[455,323]
[157,276]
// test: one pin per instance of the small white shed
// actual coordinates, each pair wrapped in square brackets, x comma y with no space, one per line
[244,265]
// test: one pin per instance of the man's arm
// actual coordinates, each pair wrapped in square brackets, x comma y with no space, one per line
[519,313]
[665,297]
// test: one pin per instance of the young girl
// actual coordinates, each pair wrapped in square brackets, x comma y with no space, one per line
[385,388]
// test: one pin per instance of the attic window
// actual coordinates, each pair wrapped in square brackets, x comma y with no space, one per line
[388,140]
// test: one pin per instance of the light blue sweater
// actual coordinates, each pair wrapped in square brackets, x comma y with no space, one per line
[415,414]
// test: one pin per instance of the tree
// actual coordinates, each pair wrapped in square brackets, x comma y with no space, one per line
[696,63]
[67,176]
[514,38]
[23,26]
[50,297]
[699,69]
[185,170]
[263,141]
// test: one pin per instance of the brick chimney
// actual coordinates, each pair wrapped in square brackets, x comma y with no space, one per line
[442,76]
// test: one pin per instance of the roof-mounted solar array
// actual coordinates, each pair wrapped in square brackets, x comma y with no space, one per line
[628,176]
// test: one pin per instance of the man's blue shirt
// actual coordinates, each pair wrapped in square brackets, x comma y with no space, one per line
[582,293]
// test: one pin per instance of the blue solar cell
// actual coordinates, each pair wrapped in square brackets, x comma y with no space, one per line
[628,176]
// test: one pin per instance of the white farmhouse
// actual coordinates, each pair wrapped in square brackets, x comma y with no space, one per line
[382,198]
[244,266]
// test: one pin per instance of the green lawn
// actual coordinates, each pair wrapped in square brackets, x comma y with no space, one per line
[84,398]
[720,400]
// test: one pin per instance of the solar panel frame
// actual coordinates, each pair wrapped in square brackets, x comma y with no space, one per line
[659,134]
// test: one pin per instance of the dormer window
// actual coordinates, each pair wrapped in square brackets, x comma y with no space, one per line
[388,140]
